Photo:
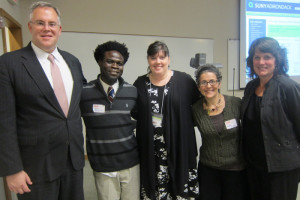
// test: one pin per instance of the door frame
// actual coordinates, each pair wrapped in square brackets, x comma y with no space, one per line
[11,33]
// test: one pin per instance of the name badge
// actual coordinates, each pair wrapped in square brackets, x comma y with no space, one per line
[98,108]
[231,124]
[157,120]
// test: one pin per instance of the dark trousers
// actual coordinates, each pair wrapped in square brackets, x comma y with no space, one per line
[69,186]
[217,184]
[273,186]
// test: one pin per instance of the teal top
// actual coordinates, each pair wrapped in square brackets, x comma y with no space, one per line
[221,150]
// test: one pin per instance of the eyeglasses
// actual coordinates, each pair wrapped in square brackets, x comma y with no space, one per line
[211,82]
[42,24]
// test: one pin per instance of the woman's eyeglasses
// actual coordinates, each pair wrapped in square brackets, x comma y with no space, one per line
[211,82]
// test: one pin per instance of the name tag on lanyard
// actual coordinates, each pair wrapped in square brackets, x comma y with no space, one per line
[157,120]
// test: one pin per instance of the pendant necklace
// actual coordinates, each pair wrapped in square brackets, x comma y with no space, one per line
[214,108]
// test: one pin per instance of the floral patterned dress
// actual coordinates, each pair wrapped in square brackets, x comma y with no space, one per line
[163,191]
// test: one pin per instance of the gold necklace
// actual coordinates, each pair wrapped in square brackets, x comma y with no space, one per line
[215,107]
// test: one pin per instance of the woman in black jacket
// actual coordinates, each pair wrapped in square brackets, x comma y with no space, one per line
[270,114]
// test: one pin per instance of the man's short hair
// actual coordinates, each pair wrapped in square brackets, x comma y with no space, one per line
[42,4]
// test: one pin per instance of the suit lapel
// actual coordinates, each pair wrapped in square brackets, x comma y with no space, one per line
[75,98]
[37,73]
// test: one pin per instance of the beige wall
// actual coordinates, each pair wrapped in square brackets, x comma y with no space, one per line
[209,19]
[13,10]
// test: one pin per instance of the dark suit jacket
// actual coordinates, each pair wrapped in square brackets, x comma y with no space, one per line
[34,133]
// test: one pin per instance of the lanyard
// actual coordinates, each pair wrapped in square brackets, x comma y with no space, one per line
[163,97]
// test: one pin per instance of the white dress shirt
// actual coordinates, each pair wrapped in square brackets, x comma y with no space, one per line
[106,86]
[66,74]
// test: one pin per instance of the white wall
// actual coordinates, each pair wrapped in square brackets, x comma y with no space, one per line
[204,19]
[181,51]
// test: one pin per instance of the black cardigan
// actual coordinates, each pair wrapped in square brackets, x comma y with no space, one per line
[178,131]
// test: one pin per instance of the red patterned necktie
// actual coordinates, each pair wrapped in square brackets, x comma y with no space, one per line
[110,93]
[58,85]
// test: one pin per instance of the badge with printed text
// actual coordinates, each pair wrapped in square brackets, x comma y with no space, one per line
[157,120]
[98,108]
[231,124]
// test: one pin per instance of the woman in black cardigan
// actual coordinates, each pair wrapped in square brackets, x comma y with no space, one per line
[165,130]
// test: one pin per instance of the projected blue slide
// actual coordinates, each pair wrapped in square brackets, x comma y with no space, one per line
[277,19]
[257,29]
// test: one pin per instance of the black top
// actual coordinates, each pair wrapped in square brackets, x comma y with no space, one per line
[253,139]
[157,95]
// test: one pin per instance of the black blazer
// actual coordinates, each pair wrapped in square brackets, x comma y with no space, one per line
[35,136]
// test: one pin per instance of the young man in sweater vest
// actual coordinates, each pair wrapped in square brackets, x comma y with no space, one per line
[110,141]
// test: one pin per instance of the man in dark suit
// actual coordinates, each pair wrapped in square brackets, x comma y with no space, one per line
[41,140]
